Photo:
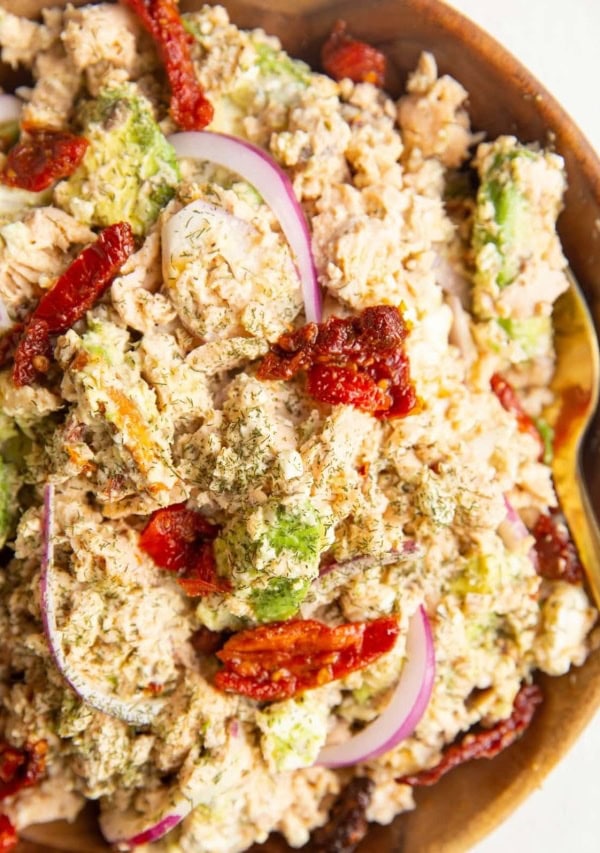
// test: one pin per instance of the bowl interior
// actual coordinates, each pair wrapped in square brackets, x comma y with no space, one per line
[504,98]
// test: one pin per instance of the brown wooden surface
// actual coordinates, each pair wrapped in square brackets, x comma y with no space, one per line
[504,98]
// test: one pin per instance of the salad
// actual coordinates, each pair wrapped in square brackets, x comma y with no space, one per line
[279,531]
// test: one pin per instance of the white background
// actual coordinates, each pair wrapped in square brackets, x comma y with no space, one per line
[559,41]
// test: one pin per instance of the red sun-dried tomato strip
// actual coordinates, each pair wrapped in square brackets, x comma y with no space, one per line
[344,56]
[509,400]
[8,835]
[21,768]
[9,342]
[181,540]
[44,157]
[284,659]
[189,107]
[11,759]
[33,353]
[73,293]
[347,824]
[358,361]
[485,743]
[557,557]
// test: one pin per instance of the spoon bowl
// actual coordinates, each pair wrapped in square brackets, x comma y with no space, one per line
[577,387]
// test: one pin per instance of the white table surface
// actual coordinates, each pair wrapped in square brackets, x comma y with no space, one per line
[558,40]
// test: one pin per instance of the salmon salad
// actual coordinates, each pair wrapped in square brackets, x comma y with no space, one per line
[280,541]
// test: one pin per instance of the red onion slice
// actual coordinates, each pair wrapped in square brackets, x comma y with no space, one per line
[112,822]
[513,531]
[517,526]
[259,169]
[166,807]
[157,831]
[408,703]
[140,713]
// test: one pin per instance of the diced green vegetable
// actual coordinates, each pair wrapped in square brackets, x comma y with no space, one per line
[9,133]
[277,63]
[506,228]
[8,428]
[272,554]
[518,266]
[8,494]
[264,80]
[293,731]
[14,202]
[533,334]
[105,341]
[129,171]
[280,599]
[485,574]
[547,435]
[296,533]
[299,531]
[503,222]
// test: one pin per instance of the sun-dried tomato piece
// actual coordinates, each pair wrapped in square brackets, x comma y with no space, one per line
[293,352]
[189,107]
[8,835]
[86,278]
[33,354]
[11,759]
[557,557]
[485,743]
[344,56]
[358,361]
[201,577]
[21,768]
[173,534]
[44,157]
[73,293]
[181,540]
[347,824]
[336,385]
[509,400]
[284,659]
[9,342]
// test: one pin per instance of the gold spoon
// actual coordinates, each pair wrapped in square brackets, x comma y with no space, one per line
[576,386]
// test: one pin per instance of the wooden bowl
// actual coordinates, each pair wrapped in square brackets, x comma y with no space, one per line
[504,98]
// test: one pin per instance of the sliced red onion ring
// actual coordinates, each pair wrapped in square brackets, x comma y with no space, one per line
[165,807]
[125,830]
[259,169]
[153,833]
[513,531]
[140,713]
[518,528]
[407,705]
[354,565]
